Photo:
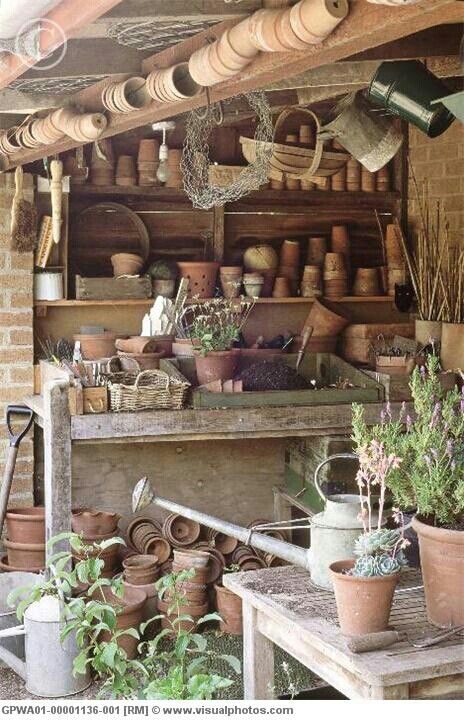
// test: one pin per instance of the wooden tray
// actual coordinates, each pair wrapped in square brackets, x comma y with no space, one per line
[104,288]
[325,367]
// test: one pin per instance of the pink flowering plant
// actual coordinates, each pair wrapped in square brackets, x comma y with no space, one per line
[429,445]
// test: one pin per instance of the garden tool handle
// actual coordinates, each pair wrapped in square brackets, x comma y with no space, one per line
[10,463]
[337,456]
[374,641]
[15,440]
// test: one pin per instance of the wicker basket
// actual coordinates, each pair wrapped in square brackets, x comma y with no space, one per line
[148,390]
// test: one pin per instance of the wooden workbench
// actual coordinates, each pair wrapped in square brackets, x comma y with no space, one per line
[62,432]
[281,607]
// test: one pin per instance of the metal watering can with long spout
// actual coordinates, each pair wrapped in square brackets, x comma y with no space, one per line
[333,531]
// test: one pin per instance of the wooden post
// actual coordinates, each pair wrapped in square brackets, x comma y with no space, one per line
[218,234]
[258,658]
[57,459]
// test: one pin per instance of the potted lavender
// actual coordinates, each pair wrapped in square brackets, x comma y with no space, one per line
[430,479]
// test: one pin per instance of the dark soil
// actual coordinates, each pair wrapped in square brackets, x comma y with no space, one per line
[272,375]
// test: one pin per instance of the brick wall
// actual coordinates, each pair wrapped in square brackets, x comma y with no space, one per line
[16,339]
[440,161]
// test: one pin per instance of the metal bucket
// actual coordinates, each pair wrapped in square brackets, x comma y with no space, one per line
[8,583]
[371,138]
[407,88]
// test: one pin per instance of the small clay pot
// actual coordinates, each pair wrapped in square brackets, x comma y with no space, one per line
[165,288]
[91,522]
[164,344]
[137,344]
[180,531]
[253,284]
[187,558]
[317,249]
[148,151]
[229,607]
[363,603]
[366,282]
[95,347]
[224,543]
[141,569]
[25,555]
[142,361]
[159,546]
[231,281]
[126,264]
[219,365]
[282,288]
[110,557]
[26,525]
[240,39]
[195,612]
[216,563]
[290,253]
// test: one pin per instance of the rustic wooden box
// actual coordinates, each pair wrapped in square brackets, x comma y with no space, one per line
[325,367]
[82,400]
[124,288]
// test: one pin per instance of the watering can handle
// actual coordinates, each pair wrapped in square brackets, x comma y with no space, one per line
[337,456]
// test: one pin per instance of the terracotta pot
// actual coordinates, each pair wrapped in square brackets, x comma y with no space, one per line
[363,603]
[195,612]
[311,282]
[427,330]
[130,609]
[353,175]
[94,522]
[148,151]
[216,562]
[253,284]
[229,606]
[158,546]
[126,264]
[321,17]
[240,39]
[201,277]
[300,29]
[6,566]
[317,249]
[141,569]
[325,319]
[150,608]
[287,36]
[137,344]
[164,344]
[183,347]
[110,557]
[334,262]
[180,531]
[24,555]
[142,361]
[452,346]
[165,288]
[368,183]
[442,562]
[224,543]
[366,282]
[290,253]
[141,520]
[282,288]
[220,365]
[95,347]
[393,246]
[231,281]
[26,525]
[192,594]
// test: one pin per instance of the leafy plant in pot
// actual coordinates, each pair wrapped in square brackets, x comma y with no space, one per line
[214,327]
[163,278]
[430,479]
[364,587]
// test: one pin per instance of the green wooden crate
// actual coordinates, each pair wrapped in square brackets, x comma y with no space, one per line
[324,367]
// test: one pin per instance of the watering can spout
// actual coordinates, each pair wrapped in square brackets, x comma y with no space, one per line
[144,495]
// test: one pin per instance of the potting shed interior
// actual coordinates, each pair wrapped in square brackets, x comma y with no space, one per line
[305,162]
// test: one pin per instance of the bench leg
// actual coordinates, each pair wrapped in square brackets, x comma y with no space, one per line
[258,658]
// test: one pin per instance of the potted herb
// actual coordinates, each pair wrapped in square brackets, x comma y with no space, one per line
[214,327]
[163,278]
[229,606]
[364,587]
[430,479]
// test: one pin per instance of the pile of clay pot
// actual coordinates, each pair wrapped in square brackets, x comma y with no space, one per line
[25,541]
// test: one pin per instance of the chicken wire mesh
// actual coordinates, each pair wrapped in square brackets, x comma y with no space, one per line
[196,160]
[155,34]
[57,86]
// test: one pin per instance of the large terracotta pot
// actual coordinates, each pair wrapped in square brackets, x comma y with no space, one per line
[26,525]
[363,603]
[25,555]
[452,346]
[130,609]
[442,562]
[91,522]
[141,569]
[219,365]
[326,319]
[180,531]
[229,606]
[201,277]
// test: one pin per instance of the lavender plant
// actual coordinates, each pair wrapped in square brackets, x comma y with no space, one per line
[216,324]
[430,444]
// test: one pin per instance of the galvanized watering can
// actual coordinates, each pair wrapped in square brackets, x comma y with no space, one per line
[48,668]
[333,531]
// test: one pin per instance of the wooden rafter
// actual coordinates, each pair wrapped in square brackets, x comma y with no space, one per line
[366,27]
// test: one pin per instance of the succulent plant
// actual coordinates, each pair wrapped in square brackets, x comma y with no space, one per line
[378,565]
[162,270]
[382,540]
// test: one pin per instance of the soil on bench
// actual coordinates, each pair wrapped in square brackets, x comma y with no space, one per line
[272,375]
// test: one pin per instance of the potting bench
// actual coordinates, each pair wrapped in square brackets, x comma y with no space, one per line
[282,607]
[61,432]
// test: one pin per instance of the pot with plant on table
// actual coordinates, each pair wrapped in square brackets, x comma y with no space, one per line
[215,326]
[430,479]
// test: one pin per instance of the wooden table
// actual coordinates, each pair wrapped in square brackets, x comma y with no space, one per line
[281,607]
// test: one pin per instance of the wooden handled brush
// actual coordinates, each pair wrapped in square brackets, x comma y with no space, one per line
[23,218]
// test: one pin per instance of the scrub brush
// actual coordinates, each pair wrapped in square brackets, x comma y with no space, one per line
[23,219]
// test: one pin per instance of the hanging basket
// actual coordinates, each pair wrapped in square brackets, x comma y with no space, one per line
[293,162]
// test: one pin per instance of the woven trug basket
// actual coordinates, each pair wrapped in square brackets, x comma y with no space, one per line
[148,390]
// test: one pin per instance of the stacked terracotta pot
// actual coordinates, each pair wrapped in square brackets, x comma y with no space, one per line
[225,57]
[286,282]
[311,285]
[25,543]
[175,177]
[194,591]
[335,275]
[353,175]
[340,243]
[368,180]
[126,175]
[231,280]
[144,351]
[367,282]
[172,84]
[94,526]
[148,162]
[102,165]
[126,96]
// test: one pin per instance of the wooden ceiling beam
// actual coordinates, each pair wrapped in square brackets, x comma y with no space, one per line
[366,27]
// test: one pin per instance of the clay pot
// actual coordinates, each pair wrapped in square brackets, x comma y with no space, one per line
[325,319]
[427,330]
[148,151]
[126,264]
[95,347]
[183,347]
[25,555]
[26,525]
[229,607]
[363,603]
[141,569]
[253,284]
[311,282]
[393,246]
[366,282]
[126,96]
[87,128]
[299,27]
[240,39]
[216,562]
[142,361]
[163,343]
[317,249]
[150,608]
[321,17]
[231,280]
[6,566]
[220,365]
[452,346]
[165,288]
[186,558]
[442,558]
[368,183]
[338,181]
[192,593]
[290,253]
[382,179]
[141,520]
[130,610]
[159,546]
[137,344]
[126,174]
[91,522]
[195,612]
[224,543]
[180,531]
[282,288]
[110,555]
[353,175]
[201,277]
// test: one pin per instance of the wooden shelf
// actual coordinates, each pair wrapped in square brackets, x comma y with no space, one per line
[150,301]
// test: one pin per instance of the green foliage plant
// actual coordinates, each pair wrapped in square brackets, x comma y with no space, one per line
[215,325]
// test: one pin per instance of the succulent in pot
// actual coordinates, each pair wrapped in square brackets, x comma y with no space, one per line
[214,327]
[430,479]
[163,278]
